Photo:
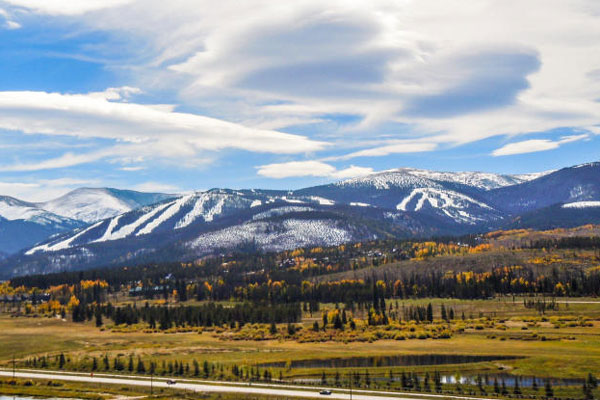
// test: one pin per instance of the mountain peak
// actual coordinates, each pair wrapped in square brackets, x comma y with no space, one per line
[94,204]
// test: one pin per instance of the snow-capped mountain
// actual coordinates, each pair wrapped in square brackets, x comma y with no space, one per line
[410,177]
[13,209]
[456,197]
[403,202]
[95,204]
[23,224]
[198,224]
[568,185]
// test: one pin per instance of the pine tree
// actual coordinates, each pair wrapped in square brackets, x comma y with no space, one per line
[438,381]
[94,364]
[587,392]
[141,368]
[592,381]
[323,379]
[517,388]
[548,389]
[337,379]
[429,312]
[273,328]
[61,361]
[106,362]
[99,322]
[426,384]
[197,368]
[337,322]
[130,364]
[479,381]
[205,369]
[416,382]
[496,387]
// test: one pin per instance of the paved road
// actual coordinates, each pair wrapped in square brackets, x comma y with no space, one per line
[220,387]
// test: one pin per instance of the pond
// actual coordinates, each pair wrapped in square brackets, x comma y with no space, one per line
[385,361]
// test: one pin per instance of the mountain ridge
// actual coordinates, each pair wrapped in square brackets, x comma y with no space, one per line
[396,203]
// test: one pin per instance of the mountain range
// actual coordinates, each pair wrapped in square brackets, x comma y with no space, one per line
[94,227]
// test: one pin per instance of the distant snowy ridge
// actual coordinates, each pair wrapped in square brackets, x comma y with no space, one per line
[95,204]
[13,210]
[403,202]
[582,204]
[406,177]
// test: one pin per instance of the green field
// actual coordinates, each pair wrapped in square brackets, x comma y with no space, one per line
[500,327]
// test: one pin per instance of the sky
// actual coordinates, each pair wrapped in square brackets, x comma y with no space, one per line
[190,95]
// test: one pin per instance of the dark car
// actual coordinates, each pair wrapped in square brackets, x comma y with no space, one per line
[171,382]
[325,392]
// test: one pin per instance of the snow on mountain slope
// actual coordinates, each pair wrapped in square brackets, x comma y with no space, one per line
[395,178]
[125,230]
[23,224]
[452,204]
[280,211]
[94,204]
[62,244]
[289,234]
[568,185]
[13,209]
[410,177]
[174,214]
[531,176]
[582,204]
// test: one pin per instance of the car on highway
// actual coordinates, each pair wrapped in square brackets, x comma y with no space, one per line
[171,382]
[325,392]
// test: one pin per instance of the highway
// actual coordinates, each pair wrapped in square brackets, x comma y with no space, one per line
[224,387]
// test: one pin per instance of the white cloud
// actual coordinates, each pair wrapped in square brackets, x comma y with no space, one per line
[143,130]
[399,147]
[132,168]
[310,168]
[9,23]
[67,7]
[450,71]
[66,160]
[535,145]
[377,59]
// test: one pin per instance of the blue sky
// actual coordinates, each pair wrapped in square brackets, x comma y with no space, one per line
[189,95]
